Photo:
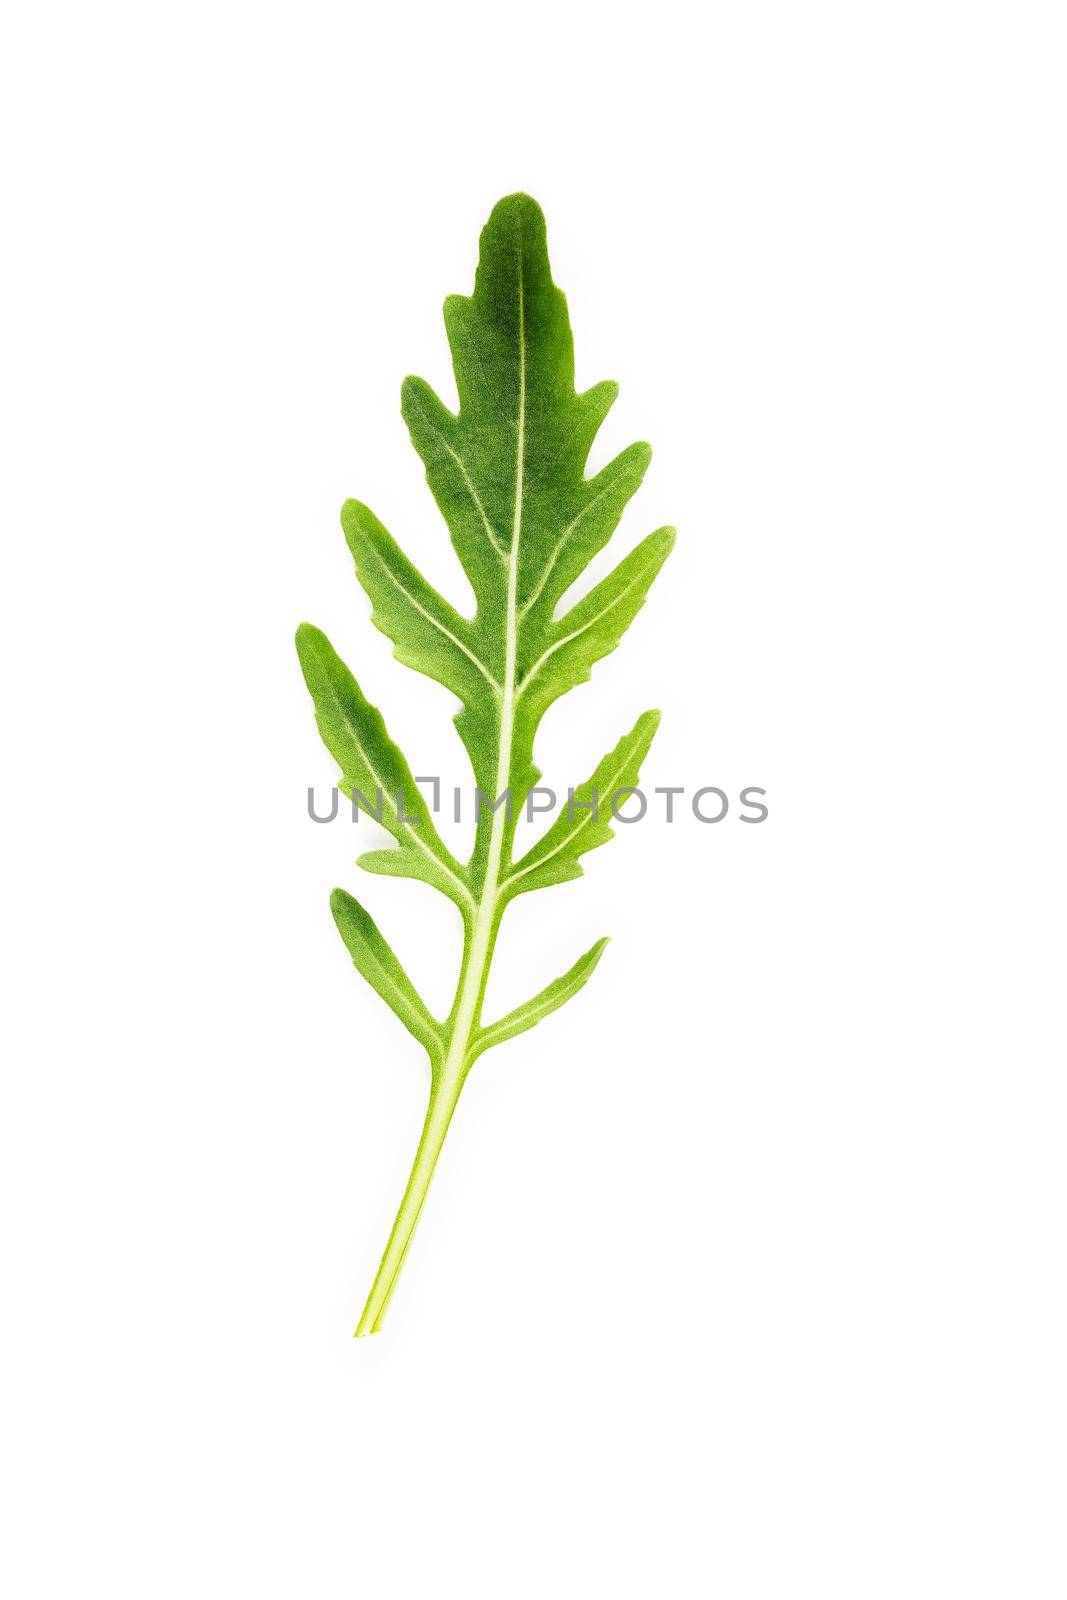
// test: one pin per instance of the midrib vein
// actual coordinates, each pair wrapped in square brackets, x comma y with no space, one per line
[474,977]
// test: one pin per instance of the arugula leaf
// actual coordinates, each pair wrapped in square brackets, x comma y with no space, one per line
[508,474]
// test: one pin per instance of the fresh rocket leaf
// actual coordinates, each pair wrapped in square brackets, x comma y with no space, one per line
[508,472]
[550,999]
[376,962]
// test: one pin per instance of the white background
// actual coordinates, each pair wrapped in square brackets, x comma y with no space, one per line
[743,1277]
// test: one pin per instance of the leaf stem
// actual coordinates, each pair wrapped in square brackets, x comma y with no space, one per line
[444,1093]
[438,1116]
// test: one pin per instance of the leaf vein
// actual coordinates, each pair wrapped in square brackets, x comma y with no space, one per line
[402,823]
[439,625]
[490,532]
[577,634]
[556,553]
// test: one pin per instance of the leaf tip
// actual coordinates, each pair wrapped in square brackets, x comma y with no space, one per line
[516,225]
[348,914]
[602,396]
[360,526]
[306,638]
[517,207]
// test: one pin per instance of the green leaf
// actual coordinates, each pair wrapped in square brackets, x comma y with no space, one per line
[375,960]
[550,999]
[508,472]
[585,821]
